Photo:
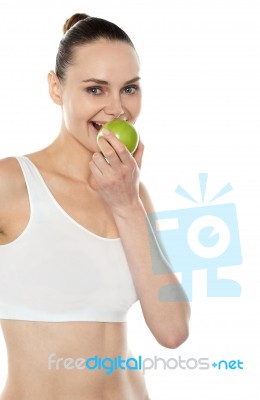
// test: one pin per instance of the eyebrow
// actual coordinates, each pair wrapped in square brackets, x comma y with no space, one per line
[101,82]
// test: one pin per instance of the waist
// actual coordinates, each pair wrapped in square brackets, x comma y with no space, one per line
[75,360]
[76,385]
[130,386]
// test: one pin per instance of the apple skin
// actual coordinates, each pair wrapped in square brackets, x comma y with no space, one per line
[124,131]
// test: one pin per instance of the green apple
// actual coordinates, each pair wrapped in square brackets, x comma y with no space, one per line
[124,131]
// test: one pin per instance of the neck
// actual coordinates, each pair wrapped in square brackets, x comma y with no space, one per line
[71,158]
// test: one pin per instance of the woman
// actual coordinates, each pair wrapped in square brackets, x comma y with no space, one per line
[75,239]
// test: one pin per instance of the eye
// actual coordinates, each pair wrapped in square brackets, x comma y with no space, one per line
[131,89]
[94,90]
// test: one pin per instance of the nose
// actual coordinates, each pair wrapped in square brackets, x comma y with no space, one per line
[114,106]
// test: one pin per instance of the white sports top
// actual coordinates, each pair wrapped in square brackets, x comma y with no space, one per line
[57,270]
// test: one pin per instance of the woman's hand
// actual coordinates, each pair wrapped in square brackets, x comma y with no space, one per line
[117,173]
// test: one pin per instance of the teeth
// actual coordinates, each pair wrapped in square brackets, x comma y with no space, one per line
[98,125]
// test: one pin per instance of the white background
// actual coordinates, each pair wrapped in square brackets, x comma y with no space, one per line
[201,83]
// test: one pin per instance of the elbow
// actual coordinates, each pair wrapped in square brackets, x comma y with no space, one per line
[174,340]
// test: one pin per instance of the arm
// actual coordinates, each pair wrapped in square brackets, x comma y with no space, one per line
[167,320]
[12,190]
[6,190]
[117,180]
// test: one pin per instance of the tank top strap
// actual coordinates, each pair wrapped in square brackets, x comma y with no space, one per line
[38,195]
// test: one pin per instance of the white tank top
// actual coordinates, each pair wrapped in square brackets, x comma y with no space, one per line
[57,270]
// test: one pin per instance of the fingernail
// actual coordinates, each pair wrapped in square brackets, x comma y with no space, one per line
[106,132]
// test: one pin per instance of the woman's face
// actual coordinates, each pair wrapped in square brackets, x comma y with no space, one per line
[100,85]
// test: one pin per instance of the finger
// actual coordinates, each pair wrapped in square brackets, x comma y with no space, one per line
[100,162]
[109,153]
[119,148]
[95,171]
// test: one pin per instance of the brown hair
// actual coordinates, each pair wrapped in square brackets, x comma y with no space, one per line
[82,29]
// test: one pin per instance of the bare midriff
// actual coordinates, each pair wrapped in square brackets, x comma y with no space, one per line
[46,362]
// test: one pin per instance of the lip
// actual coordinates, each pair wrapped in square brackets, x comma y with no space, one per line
[105,122]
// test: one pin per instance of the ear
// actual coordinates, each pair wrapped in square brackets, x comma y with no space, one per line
[55,88]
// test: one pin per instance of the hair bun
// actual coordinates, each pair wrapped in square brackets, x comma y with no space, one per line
[73,20]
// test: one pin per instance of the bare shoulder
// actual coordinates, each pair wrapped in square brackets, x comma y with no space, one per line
[10,173]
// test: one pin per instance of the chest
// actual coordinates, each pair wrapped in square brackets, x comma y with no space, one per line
[84,206]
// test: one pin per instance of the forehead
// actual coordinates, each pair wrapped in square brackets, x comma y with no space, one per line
[104,59]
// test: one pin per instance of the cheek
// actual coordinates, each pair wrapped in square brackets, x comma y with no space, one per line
[133,105]
[137,106]
[74,108]
[73,114]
